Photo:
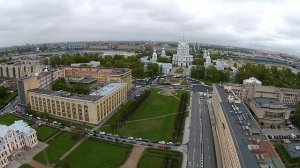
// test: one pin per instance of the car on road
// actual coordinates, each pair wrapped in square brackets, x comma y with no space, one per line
[131,138]
[169,143]
[162,142]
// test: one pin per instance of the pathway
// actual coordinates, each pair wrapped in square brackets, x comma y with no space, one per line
[53,136]
[145,119]
[36,164]
[135,155]
[73,148]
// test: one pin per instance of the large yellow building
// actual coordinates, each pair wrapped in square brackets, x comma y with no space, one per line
[102,75]
[84,108]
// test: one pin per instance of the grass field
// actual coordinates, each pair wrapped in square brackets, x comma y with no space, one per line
[283,153]
[57,147]
[10,118]
[44,132]
[160,128]
[160,158]
[25,166]
[94,153]
[4,101]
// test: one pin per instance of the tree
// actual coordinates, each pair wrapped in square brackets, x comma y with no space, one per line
[60,84]
[297,116]
[152,69]
[3,92]
[80,88]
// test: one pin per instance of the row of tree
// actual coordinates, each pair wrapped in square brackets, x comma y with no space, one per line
[297,115]
[128,111]
[79,88]
[119,61]
[180,117]
[269,76]
[210,74]
[3,92]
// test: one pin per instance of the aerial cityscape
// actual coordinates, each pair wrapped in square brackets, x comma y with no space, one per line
[150,84]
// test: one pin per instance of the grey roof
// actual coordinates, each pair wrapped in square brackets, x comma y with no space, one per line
[266,102]
[247,158]
[64,94]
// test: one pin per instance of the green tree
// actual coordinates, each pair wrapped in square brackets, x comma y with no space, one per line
[3,92]
[152,69]
[60,84]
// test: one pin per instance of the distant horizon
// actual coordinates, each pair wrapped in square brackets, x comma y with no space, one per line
[160,41]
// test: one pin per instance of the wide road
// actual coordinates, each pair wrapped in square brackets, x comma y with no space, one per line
[201,152]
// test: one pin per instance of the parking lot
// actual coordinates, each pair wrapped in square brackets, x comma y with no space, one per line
[281,133]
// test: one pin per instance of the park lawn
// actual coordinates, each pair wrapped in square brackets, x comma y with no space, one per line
[10,118]
[95,153]
[160,128]
[117,115]
[283,153]
[57,147]
[26,166]
[44,132]
[158,158]
[4,101]
[155,129]
[156,105]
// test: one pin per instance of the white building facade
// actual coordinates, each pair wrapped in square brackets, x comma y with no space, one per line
[166,67]
[183,57]
[14,138]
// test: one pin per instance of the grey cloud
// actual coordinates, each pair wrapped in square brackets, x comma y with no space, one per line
[245,23]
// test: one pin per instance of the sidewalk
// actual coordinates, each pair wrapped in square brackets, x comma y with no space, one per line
[186,134]
[215,136]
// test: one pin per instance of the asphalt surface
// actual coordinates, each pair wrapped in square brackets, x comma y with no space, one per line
[11,106]
[201,152]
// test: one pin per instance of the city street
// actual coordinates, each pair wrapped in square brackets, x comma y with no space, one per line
[201,152]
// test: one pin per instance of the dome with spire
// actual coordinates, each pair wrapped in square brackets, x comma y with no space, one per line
[163,52]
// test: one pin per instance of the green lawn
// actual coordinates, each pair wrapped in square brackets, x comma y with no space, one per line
[44,132]
[25,166]
[57,147]
[4,101]
[10,118]
[94,153]
[283,153]
[156,129]
[160,158]
[117,115]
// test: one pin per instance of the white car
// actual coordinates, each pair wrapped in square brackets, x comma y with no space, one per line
[131,138]
[169,143]
[162,142]
[102,133]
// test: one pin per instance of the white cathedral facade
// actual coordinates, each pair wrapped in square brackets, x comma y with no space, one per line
[183,57]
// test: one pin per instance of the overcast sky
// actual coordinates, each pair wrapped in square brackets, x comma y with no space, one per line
[265,24]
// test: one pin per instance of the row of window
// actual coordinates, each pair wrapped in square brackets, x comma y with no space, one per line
[78,111]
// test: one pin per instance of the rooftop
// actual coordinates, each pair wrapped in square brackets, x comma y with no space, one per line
[94,96]
[113,71]
[243,129]
[107,89]
[19,125]
[64,94]
[265,102]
